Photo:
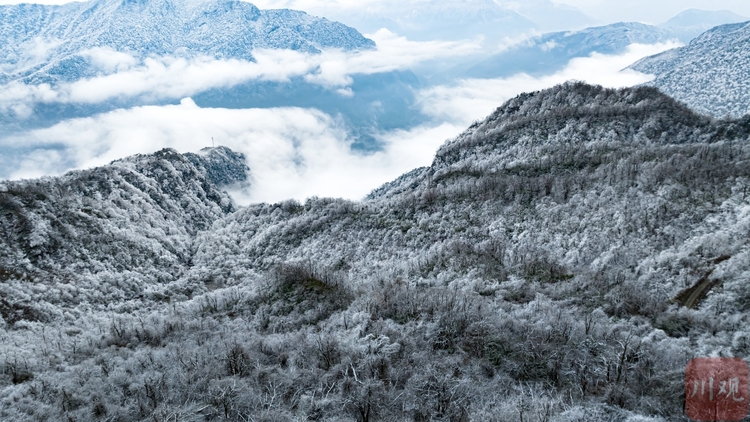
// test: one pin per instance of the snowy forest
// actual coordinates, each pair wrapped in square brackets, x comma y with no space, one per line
[561,260]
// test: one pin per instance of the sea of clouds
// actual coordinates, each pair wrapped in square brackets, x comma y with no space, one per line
[292,152]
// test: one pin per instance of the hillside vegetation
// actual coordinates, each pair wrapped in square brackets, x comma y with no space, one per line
[561,260]
[710,74]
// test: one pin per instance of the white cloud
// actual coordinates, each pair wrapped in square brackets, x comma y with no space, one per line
[472,99]
[549,45]
[109,60]
[19,98]
[39,48]
[394,52]
[175,77]
[293,153]
[156,78]
[508,42]
[38,163]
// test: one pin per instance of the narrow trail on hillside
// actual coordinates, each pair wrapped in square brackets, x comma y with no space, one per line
[692,296]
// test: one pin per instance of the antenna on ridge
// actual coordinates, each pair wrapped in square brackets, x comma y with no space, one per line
[212,142]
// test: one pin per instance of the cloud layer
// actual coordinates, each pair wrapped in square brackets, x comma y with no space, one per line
[295,152]
[173,77]
[475,98]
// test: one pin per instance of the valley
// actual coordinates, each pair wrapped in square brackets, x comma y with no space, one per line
[455,223]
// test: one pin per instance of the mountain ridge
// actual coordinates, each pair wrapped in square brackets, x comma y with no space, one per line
[537,256]
[221,28]
[690,23]
[551,52]
[709,74]
[136,215]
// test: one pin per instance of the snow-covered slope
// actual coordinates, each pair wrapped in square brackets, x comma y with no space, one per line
[551,151]
[546,54]
[45,43]
[111,231]
[711,74]
[59,58]
[536,268]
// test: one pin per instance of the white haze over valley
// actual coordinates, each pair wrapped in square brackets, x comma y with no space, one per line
[153,78]
[292,152]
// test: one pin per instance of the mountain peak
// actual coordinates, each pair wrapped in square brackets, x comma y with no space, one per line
[223,167]
[152,204]
[534,124]
[219,166]
[580,98]
[698,17]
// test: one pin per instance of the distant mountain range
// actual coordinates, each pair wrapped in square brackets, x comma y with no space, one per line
[455,20]
[711,74]
[693,22]
[491,20]
[56,45]
[487,23]
[549,53]
[658,11]
[222,29]
[549,15]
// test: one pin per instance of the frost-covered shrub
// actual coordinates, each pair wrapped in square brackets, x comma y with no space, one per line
[535,270]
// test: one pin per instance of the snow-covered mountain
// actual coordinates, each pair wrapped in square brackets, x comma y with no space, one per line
[711,74]
[46,43]
[455,20]
[138,215]
[693,22]
[537,267]
[548,15]
[491,20]
[53,52]
[548,53]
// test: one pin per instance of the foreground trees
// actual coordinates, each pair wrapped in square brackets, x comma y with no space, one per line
[528,274]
